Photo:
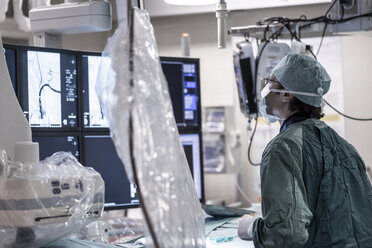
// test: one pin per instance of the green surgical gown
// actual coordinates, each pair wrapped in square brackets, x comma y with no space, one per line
[315,191]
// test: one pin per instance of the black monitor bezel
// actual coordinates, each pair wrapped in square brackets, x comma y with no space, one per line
[63,134]
[202,200]
[21,82]
[197,62]
[104,133]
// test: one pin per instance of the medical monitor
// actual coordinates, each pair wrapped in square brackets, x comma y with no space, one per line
[100,154]
[93,116]
[50,143]
[192,146]
[11,61]
[182,75]
[244,65]
[49,94]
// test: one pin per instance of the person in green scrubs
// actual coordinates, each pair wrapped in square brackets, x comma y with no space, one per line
[314,186]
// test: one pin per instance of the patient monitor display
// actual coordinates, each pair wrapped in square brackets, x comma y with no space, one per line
[101,155]
[183,81]
[191,146]
[49,89]
[93,113]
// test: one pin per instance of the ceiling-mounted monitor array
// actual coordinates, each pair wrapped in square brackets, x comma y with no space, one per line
[56,90]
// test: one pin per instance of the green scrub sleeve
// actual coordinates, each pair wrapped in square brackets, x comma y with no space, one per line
[285,213]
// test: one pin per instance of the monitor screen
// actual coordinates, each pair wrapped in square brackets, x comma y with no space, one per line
[49,89]
[92,110]
[182,75]
[11,61]
[50,144]
[192,148]
[100,154]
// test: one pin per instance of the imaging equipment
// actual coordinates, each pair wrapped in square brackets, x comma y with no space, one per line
[35,193]
[93,116]
[77,124]
[49,92]
[50,143]
[182,75]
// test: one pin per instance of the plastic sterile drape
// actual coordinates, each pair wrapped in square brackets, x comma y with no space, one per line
[164,178]
[41,202]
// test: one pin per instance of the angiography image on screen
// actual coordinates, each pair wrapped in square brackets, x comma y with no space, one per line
[44,89]
[93,113]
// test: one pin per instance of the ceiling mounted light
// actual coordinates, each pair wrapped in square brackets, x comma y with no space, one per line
[191,2]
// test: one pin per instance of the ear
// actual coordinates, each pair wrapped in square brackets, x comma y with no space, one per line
[287,97]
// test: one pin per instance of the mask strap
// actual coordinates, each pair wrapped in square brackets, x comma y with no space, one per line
[295,92]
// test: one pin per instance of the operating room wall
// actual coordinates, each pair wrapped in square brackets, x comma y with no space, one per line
[357,64]
[218,84]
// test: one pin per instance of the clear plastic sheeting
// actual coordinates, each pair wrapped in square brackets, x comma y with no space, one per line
[3,9]
[164,178]
[42,202]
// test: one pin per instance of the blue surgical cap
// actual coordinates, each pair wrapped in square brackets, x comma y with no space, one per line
[302,73]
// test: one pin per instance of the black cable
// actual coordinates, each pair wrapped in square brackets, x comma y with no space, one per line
[347,116]
[256,70]
[145,210]
[330,7]
[250,144]
[312,54]
[342,12]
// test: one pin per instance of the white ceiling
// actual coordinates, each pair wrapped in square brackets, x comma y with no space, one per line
[158,8]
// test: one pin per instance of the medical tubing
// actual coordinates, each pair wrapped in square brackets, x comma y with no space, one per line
[347,116]
[256,119]
[250,144]
[131,132]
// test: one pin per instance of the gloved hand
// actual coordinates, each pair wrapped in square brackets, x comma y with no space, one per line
[245,227]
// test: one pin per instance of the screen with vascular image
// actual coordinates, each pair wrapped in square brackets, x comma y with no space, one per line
[49,89]
[92,110]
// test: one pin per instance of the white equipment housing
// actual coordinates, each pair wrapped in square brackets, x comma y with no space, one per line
[353,8]
[57,195]
[72,18]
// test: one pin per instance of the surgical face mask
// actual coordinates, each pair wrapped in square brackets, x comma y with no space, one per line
[263,107]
